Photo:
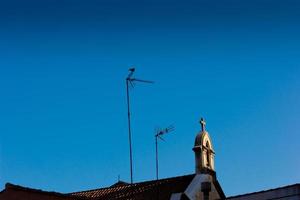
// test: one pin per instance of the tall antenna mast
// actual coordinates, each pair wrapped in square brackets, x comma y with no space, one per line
[158,135]
[131,81]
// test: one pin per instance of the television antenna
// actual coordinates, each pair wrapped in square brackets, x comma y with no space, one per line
[130,80]
[158,135]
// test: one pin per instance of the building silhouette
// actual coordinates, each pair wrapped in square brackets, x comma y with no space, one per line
[202,185]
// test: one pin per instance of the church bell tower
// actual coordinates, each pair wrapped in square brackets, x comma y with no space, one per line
[204,153]
[205,185]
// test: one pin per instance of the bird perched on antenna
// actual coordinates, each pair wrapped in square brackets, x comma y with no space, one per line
[130,74]
[132,69]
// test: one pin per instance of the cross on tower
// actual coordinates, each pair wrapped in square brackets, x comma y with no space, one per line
[203,124]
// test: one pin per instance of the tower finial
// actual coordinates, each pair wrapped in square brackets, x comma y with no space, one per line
[203,124]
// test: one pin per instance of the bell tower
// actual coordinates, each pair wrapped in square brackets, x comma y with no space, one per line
[205,185]
[204,153]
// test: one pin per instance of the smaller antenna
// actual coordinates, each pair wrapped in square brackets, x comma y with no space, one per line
[158,135]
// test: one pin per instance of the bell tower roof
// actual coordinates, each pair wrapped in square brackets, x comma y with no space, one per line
[200,137]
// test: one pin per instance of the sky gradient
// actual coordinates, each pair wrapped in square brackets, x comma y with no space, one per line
[63,64]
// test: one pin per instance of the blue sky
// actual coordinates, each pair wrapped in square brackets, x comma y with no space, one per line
[63,65]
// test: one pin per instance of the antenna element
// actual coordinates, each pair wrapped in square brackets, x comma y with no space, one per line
[158,135]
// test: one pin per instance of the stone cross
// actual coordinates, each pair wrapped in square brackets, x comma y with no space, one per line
[203,124]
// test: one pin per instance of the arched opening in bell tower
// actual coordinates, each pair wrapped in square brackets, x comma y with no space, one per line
[207,154]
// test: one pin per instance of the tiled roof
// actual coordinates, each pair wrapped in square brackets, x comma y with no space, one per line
[12,191]
[161,189]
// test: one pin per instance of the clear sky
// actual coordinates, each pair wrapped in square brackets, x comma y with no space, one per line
[63,123]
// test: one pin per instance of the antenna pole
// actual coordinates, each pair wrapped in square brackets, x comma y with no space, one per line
[129,129]
[130,80]
[156,152]
[159,135]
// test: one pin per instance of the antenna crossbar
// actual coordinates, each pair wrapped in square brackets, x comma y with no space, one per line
[140,80]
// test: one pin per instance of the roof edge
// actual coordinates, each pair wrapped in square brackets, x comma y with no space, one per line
[262,191]
[10,186]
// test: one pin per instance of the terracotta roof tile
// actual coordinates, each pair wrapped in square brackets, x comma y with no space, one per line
[161,189]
